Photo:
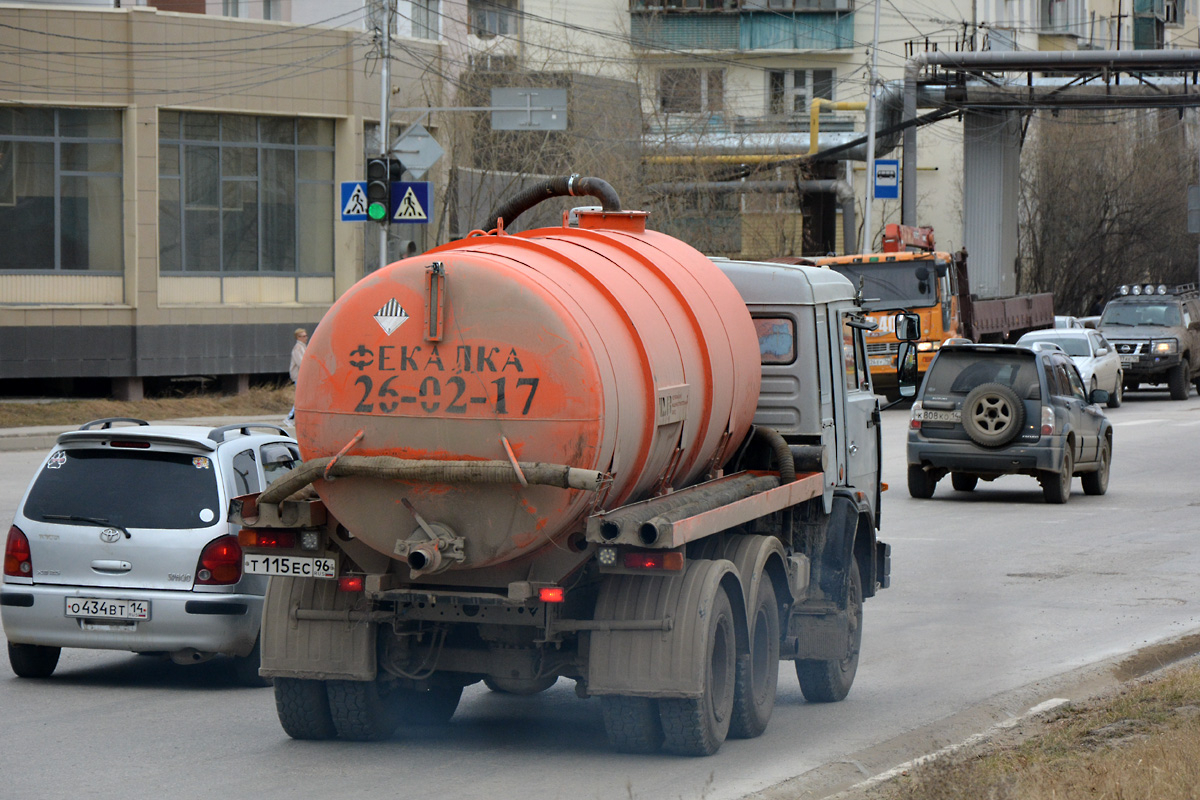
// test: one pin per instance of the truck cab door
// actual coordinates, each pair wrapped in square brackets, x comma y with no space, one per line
[860,439]
[828,341]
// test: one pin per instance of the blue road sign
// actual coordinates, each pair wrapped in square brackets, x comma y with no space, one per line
[354,201]
[887,179]
[410,202]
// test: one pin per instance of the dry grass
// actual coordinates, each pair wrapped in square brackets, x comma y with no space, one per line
[256,402]
[1142,742]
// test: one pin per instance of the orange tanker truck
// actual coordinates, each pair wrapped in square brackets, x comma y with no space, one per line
[911,274]
[584,452]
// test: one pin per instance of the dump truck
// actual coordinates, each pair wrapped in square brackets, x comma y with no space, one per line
[912,274]
[585,452]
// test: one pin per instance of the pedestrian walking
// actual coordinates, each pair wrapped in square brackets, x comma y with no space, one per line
[294,368]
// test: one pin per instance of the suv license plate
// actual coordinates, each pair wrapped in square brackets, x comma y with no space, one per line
[97,608]
[1128,359]
[295,566]
[929,415]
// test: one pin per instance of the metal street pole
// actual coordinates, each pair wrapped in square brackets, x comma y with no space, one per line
[868,238]
[385,126]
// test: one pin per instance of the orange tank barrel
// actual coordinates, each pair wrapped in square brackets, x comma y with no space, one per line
[604,347]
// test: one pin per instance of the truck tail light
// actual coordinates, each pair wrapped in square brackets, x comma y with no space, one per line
[656,559]
[220,562]
[551,594]
[17,560]
[267,539]
[1047,420]
[350,583]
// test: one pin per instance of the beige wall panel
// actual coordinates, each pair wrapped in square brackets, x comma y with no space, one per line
[173,291]
[255,289]
[315,290]
[60,289]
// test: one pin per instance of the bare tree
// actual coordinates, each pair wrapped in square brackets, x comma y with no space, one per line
[1104,202]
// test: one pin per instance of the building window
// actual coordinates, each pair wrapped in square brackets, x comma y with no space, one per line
[792,91]
[60,189]
[1173,12]
[488,18]
[425,19]
[229,8]
[271,9]
[691,91]
[242,194]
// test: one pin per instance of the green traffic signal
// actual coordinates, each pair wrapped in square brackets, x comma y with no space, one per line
[377,211]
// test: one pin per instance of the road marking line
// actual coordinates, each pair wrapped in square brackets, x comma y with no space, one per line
[970,740]
[1132,422]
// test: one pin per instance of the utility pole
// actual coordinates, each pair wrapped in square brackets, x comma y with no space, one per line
[385,94]
[868,238]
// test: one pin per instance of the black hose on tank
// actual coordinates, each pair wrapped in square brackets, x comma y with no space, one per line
[570,186]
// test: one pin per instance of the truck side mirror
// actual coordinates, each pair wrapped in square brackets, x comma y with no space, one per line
[908,326]
[906,369]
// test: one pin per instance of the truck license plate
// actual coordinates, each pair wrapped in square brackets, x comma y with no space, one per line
[295,566]
[879,361]
[97,608]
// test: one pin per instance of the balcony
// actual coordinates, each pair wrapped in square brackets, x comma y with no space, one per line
[747,25]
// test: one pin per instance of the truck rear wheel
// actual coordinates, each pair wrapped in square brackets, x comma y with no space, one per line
[830,681]
[1178,379]
[303,708]
[758,671]
[364,711]
[698,726]
[632,723]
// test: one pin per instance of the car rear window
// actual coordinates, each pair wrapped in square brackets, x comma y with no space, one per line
[1071,345]
[958,372]
[132,489]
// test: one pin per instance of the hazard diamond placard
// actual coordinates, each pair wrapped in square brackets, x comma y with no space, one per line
[410,202]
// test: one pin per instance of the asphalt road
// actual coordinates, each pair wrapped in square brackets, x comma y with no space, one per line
[998,601]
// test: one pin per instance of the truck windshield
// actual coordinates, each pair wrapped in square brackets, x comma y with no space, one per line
[1140,314]
[894,285]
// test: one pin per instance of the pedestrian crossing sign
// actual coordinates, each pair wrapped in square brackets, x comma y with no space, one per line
[354,201]
[410,202]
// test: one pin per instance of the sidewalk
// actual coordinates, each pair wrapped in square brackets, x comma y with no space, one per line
[42,437]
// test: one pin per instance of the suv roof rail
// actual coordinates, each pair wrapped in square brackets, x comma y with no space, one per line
[218,434]
[107,422]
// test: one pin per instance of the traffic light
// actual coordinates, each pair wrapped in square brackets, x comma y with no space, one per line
[379,189]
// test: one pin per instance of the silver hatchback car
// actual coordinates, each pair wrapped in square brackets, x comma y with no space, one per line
[121,543]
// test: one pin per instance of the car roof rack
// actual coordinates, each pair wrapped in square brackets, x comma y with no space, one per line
[218,434]
[107,422]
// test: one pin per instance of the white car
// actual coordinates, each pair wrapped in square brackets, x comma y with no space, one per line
[1097,360]
[121,543]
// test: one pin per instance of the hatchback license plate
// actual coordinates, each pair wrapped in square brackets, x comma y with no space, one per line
[98,608]
[929,415]
[296,566]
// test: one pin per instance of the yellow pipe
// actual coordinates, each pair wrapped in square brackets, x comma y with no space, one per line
[814,117]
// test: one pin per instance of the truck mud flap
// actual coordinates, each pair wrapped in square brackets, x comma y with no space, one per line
[667,662]
[315,649]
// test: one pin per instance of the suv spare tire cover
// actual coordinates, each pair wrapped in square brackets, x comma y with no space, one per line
[992,414]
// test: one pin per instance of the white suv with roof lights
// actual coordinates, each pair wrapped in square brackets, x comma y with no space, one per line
[121,543]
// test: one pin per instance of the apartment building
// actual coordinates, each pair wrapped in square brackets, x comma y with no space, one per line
[169,183]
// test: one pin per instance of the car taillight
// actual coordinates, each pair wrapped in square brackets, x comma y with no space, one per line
[1047,420]
[17,560]
[220,562]
[914,421]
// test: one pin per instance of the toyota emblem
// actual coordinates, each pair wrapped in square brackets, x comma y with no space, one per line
[110,535]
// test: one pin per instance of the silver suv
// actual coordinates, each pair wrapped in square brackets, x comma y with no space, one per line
[121,543]
[1156,333]
[990,410]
